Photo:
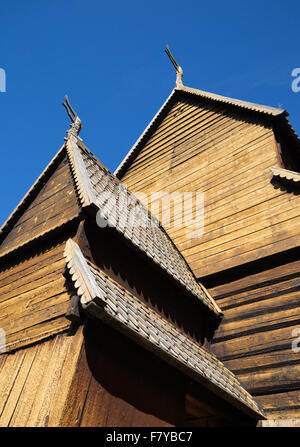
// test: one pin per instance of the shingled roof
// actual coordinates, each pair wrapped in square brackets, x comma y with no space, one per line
[103,298]
[277,115]
[99,188]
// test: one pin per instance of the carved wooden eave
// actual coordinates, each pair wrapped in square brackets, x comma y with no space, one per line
[84,189]
[104,299]
[7,225]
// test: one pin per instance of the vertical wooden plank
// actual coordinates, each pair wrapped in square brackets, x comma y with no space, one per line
[56,396]
[8,374]
[18,385]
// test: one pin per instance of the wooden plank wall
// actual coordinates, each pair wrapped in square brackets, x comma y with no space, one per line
[255,338]
[146,281]
[55,204]
[93,379]
[209,149]
[119,384]
[35,382]
[34,297]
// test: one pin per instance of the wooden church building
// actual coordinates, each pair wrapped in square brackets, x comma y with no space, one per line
[108,318]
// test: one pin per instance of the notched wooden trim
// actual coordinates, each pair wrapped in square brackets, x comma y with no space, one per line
[84,188]
[285,174]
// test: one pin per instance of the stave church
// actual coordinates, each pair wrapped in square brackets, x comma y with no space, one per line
[111,318]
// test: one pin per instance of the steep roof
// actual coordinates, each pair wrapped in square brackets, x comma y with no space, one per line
[103,298]
[117,207]
[29,196]
[276,114]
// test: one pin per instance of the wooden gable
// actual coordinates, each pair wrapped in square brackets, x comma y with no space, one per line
[34,295]
[34,298]
[226,153]
[52,204]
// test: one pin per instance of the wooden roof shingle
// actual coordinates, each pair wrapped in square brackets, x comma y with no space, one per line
[103,298]
[285,174]
[101,190]
[121,210]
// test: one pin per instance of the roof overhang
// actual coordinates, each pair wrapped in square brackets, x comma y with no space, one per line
[104,299]
[285,174]
[106,194]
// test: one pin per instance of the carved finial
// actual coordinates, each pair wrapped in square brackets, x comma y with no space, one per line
[179,71]
[76,123]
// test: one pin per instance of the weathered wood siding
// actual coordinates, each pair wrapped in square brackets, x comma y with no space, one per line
[35,382]
[55,204]
[99,378]
[119,384]
[34,297]
[262,320]
[203,409]
[226,155]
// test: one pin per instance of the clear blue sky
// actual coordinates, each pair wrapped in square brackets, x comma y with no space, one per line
[108,57]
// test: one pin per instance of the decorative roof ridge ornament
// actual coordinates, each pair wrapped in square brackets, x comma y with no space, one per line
[76,125]
[179,71]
